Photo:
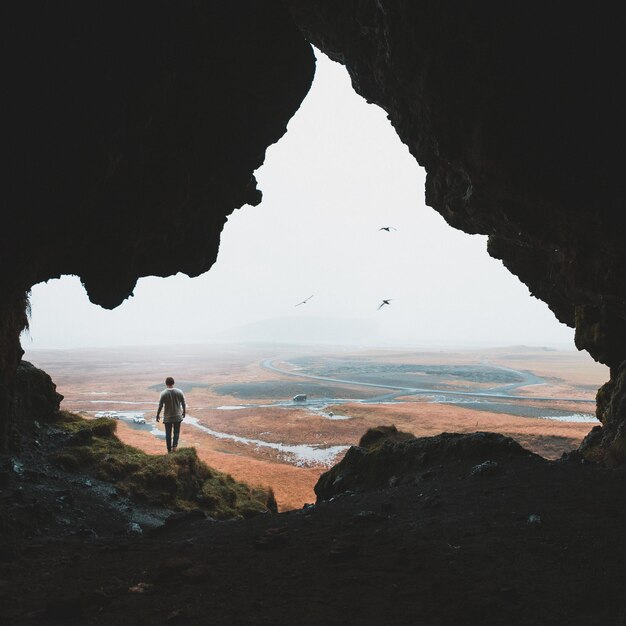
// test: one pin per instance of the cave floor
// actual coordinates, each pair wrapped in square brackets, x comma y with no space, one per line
[449,548]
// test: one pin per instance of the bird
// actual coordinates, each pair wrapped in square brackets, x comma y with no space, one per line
[387,228]
[382,304]
[304,301]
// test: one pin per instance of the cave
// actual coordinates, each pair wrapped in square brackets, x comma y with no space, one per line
[143,125]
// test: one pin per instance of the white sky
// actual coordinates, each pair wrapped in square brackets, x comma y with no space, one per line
[336,177]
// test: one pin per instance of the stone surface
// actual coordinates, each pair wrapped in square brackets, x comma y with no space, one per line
[391,462]
[32,399]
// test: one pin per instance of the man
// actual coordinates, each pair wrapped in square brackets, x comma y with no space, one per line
[172,400]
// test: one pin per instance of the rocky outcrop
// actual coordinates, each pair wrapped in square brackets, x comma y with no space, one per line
[386,457]
[515,114]
[13,309]
[32,397]
[134,131]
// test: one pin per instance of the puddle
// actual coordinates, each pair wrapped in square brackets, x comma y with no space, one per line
[580,418]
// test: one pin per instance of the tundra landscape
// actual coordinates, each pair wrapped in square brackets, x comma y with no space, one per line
[243,420]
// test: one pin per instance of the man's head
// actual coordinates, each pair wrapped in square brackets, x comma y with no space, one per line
[169,381]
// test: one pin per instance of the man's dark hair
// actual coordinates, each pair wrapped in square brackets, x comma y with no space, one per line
[169,380]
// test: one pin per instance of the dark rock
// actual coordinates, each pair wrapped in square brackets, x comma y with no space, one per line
[432,501]
[167,126]
[65,610]
[368,517]
[171,569]
[184,516]
[62,493]
[8,554]
[177,616]
[272,538]
[153,118]
[487,468]
[343,550]
[607,443]
[533,162]
[144,588]
[394,462]
[196,573]
[26,393]
[5,475]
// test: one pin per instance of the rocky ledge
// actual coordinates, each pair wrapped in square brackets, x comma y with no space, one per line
[386,457]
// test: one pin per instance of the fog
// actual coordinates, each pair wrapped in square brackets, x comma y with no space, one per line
[329,185]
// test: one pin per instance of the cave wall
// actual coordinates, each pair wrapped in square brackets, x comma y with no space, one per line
[133,131]
[515,112]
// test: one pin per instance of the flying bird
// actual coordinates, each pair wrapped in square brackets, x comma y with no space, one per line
[382,304]
[304,301]
[387,228]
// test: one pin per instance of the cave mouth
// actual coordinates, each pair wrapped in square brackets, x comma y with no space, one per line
[110,126]
[343,165]
[330,184]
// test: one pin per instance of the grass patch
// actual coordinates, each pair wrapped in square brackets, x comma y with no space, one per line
[180,481]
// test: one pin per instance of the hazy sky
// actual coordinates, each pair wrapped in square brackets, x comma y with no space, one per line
[336,177]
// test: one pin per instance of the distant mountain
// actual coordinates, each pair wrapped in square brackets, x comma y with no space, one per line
[524,349]
[303,330]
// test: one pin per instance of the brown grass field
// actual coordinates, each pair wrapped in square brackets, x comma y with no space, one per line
[120,379]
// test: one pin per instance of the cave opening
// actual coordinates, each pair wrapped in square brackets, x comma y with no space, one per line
[338,176]
[329,185]
[139,127]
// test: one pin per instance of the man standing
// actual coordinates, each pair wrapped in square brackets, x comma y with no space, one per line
[172,400]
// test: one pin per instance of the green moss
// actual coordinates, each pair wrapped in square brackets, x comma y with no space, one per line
[180,481]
